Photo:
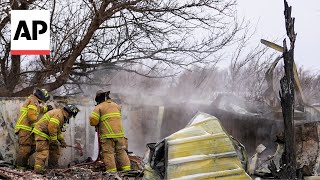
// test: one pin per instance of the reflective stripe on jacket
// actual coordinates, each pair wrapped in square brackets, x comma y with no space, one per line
[107,116]
[49,126]
[28,114]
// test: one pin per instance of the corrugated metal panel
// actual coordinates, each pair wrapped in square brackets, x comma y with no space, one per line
[202,150]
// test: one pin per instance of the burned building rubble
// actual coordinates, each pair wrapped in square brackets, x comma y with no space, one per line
[255,123]
[201,150]
[249,123]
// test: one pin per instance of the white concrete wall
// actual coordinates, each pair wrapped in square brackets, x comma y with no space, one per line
[8,140]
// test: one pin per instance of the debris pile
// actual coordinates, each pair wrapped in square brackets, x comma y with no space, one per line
[84,170]
[201,150]
[12,173]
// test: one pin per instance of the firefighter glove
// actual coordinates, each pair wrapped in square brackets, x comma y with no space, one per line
[49,107]
[55,143]
[63,144]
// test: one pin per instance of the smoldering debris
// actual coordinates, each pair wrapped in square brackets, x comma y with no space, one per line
[12,173]
[84,170]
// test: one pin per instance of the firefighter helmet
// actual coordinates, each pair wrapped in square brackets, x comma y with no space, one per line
[71,109]
[41,94]
[101,96]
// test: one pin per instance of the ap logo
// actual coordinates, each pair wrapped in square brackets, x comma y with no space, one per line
[30,32]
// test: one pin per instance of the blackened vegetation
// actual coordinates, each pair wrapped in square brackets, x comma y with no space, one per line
[288,169]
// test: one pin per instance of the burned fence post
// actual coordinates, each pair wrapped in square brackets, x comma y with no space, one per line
[288,167]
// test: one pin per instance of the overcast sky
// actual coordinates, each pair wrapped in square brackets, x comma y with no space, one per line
[267,16]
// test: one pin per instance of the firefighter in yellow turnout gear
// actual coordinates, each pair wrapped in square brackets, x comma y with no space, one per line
[27,118]
[48,136]
[107,117]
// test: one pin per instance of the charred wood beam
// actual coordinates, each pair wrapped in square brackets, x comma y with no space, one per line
[287,94]
[287,104]
[288,168]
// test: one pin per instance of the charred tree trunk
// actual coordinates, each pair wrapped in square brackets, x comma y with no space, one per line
[287,95]
[287,104]
[288,168]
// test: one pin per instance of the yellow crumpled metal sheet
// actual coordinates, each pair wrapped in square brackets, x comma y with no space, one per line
[202,150]
[150,174]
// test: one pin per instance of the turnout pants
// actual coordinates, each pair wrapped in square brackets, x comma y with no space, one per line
[43,150]
[54,154]
[113,152]
[26,147]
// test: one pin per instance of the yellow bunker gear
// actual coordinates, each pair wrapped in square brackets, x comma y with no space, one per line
[48,135]
[27,118]
[107,116]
